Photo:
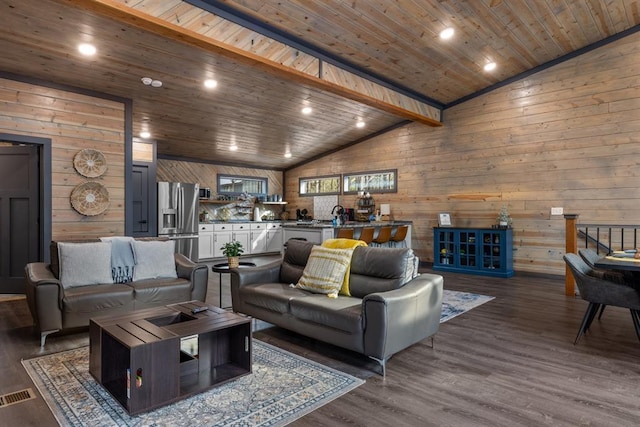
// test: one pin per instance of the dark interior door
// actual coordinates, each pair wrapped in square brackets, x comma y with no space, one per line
[143,189]
[19,214]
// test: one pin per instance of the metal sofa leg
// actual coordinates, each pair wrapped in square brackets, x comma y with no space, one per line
[43,336]
[382,363]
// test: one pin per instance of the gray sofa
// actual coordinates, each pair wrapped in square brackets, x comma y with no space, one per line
[56,306]
[382,316]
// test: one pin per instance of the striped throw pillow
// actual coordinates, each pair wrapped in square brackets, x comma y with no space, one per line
[325,270]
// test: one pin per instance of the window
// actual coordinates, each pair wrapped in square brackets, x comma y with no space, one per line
[236,185]
[320,185]
[372,182]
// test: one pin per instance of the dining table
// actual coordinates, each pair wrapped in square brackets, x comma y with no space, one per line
[619,261]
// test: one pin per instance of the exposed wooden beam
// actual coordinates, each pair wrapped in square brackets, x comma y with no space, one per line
[120,12]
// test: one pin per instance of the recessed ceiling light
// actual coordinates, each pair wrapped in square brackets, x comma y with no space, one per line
[87,49]
[210,83]
[233,147]
[447,33]
[360,124]
[145,134]
[156,83]
[287,155]
[306,110]
[490,66]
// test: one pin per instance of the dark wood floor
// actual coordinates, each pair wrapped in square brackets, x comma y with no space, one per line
[509,362]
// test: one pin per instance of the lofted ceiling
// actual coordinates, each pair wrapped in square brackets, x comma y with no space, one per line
[400,41]
[256,105]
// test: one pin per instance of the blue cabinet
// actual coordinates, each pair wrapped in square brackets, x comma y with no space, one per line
[484,251]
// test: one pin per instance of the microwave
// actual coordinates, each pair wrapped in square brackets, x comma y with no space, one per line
[205,193]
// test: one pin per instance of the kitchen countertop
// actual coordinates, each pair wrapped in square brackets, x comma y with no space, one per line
[239,221]
[321,224]
[349,224]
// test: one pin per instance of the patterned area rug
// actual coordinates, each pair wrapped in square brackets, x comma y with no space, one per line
[282,388]
[455,303]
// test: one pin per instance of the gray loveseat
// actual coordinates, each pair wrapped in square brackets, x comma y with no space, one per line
[382,316]
[56,305]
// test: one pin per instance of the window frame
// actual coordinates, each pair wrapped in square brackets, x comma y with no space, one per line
[378,174]
[221,176]
[318,178]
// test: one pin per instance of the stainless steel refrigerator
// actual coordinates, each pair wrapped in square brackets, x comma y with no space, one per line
[178,207]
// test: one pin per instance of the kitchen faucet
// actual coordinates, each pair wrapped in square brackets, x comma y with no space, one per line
[338,214]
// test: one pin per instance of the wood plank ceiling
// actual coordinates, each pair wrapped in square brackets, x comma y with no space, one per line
[263,83]
[400,39]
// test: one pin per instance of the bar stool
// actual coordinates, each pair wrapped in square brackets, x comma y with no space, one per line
[382,239]
[398,238]
[366,234]
[345,233]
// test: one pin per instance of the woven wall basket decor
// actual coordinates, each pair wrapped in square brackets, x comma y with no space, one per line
[90,198]
[90,163]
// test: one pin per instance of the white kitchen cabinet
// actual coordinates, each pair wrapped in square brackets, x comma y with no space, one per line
[242,234]
[275,241]
[258,238]
[316,235]
[222,234]
[205,241]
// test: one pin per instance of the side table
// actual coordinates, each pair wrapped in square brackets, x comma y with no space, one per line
[224,268]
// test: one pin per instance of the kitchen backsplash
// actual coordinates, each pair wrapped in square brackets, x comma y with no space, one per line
[226,212]
[322,207]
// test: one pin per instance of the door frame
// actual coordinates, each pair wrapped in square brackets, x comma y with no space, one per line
[44,152]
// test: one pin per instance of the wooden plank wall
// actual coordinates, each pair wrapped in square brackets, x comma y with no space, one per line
[567,137]
[72,122]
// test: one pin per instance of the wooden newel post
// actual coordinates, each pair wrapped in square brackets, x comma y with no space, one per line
[571,247]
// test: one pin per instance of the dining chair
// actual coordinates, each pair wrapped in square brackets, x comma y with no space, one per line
[366,234]
[590,257]
[399,237]
[383,237]
[598,292]
[345,233]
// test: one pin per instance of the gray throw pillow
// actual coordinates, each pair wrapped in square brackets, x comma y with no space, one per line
[83,264]
[154,260]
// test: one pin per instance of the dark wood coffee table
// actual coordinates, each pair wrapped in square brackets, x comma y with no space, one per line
[149,358]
